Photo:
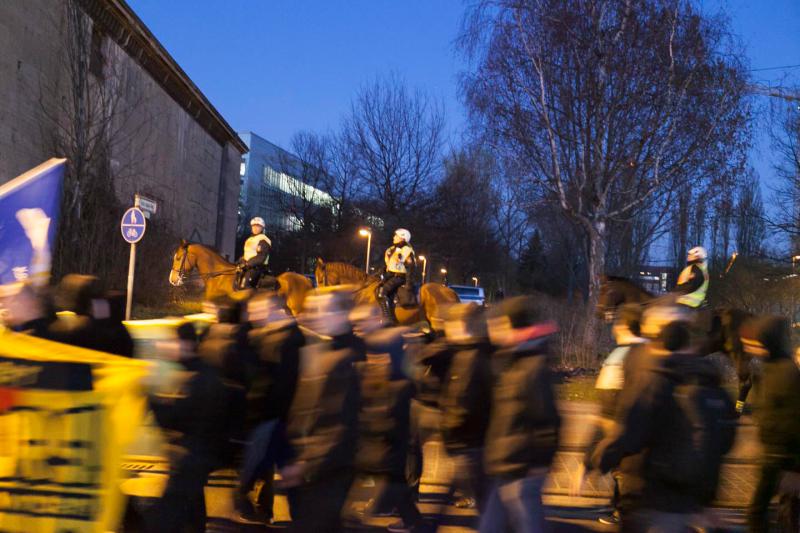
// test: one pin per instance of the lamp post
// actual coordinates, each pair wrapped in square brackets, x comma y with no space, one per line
[365,232]
[443,271]
[795,259]
[424,267]
[475,280]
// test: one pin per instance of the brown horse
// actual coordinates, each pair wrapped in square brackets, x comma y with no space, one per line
[336,273]
[218,275]
[433,297]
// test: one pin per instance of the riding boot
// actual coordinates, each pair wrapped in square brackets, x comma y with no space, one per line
[387,309]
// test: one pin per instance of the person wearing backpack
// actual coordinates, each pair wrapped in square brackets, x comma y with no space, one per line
[675,426]
[777,413]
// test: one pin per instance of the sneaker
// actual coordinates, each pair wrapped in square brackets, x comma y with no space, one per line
[610,520]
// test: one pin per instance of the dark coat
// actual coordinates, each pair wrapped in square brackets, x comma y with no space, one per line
[467,397]
[274,371]
[777,407]
[430,371]
[384,418]
[197,418]
[323,418]
[523,431]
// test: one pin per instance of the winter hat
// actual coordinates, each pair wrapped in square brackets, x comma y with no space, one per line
[520,311]
[773,332]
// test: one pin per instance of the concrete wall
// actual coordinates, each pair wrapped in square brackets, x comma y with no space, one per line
[157,148]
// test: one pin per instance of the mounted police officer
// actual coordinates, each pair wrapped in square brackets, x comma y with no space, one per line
[400,262]
[693,282]
[255,258]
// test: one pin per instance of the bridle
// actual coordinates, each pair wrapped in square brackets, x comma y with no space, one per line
[181,272]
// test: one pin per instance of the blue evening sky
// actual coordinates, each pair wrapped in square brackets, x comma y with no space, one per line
[278,66]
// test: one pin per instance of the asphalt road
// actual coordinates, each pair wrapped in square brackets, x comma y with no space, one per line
[565,513]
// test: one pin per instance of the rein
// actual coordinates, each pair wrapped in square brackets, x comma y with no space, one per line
[182,276]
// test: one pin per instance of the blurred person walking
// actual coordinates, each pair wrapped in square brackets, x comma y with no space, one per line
[466,400]
[276,340]
[384,419]
[523,432]
[198,428]
[323,418]
[626,330]
[777,413]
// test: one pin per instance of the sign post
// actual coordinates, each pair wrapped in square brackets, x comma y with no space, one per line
[132,227]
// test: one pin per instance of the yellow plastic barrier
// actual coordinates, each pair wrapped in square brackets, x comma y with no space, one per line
[66,416]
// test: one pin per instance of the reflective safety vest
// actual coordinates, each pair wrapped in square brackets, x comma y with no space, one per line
[396,257]
[694,299]
[251,246]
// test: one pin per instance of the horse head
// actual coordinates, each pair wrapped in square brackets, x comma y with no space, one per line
[321,272]
[182,263]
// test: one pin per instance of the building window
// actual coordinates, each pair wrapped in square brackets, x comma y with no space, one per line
[96,59]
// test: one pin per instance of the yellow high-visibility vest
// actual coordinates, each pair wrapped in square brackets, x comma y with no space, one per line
[396,257]
[694,299]
[251,245]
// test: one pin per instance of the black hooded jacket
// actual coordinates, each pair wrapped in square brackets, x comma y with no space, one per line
[777,392]
[523,431]
[467,396]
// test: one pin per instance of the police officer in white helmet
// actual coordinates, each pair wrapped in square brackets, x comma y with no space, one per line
[401,262]
[693,281]
[255,258]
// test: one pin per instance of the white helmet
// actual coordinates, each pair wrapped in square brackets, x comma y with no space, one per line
[698,253]
[258,221]
[402,234]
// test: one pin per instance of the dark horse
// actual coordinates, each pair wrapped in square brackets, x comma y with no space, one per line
[218,274]
[722,330]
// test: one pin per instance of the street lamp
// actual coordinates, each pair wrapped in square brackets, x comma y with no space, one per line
[443,271]
[365,232]
[424,266]
[475,280]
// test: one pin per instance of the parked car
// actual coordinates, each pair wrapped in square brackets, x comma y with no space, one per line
[468,293]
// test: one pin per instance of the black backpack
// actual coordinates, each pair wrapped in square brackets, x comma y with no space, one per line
[696,436]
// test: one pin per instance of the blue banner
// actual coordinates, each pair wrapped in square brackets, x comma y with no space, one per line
[29,206]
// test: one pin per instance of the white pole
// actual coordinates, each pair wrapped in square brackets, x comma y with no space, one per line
[131,269]
[369,242]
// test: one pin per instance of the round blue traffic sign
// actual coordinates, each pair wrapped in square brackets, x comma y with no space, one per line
[133,225]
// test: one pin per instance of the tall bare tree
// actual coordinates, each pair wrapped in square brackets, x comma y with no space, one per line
[394,138]
[785,141]
[612,105]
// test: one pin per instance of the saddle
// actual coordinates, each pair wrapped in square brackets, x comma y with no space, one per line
[406,298]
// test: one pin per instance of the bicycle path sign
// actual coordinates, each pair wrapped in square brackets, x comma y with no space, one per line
[133,225]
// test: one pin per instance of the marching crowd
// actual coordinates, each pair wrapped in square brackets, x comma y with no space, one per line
[314,405]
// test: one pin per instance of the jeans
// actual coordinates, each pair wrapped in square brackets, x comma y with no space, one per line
[514,505]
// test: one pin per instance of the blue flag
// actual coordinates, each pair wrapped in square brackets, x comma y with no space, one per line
[29,206]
